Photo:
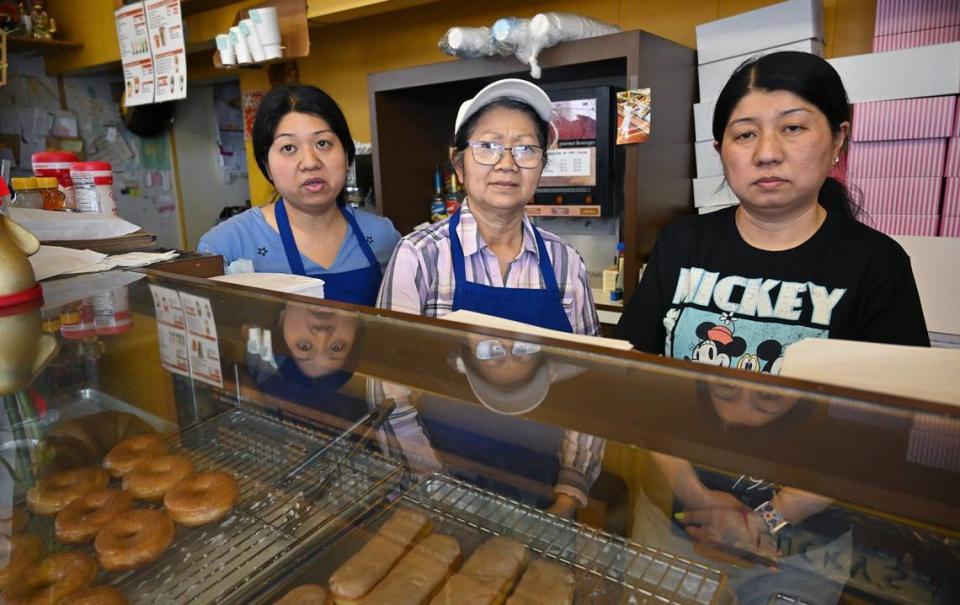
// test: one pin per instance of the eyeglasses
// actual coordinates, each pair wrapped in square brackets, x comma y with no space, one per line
[494,349]
[489,153]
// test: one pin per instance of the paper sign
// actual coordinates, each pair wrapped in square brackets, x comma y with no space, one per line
[171,330]
[251,103]
[134,38]
[633,116]
[202,340]
[165,26]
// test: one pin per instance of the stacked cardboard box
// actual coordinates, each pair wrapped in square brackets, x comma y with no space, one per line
[911,23]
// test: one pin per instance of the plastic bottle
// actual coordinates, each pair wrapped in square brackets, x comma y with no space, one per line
[4,195]
[438,206]
[618,290]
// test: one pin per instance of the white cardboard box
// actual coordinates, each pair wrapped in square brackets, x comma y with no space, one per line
[755,30]
[712,191]
[926,71]
[703,120]
[708,160]
[713,76]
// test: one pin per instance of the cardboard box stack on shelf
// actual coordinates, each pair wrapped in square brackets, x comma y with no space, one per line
[903,140]
[721,47]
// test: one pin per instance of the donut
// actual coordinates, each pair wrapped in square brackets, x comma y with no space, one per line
[130,452]
[52,494]
[151,479]
[25,550]
[201,498]
[83,518]
[308,594]
[52,579]
[96,595]
[133,539]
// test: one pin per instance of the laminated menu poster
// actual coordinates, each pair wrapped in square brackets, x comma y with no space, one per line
[165,25]
[135,56]
[187,334]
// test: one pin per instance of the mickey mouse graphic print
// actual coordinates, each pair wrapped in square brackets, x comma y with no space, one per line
[708,296]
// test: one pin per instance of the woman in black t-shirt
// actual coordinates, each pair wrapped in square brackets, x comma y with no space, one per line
[735,287]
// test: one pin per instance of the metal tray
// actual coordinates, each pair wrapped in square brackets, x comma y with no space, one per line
[269,529]
[607,568]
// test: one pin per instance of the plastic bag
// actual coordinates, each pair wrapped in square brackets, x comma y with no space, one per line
[548,29]
[510,34]
[467,42]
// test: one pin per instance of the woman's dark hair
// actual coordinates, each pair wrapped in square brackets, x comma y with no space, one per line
[810,78]
[301,99]
[463,134]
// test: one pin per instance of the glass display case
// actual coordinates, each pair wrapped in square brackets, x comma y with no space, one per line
[378,454]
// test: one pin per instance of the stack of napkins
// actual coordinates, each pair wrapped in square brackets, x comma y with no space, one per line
[276,282]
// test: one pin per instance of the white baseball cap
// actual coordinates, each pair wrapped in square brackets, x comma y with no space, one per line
[509,88]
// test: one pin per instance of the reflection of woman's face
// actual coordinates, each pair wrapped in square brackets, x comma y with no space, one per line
[502,362]
[320,339]
[742,407]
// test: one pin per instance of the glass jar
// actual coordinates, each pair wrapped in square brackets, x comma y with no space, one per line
[53,198]
[28,196]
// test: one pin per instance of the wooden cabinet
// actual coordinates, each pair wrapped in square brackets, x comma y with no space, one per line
[412,112]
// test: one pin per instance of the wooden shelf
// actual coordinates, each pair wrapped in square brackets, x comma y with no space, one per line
[294,32]
[192,7]
[36,46]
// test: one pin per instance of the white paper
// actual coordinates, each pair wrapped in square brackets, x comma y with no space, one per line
[165,26]
[171,330]
[489,321]
[54,260]
[277,282]
[134,38]
[59,292]
[49,225]
[202,340]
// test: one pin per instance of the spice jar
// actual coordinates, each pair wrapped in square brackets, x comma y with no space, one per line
[49,188]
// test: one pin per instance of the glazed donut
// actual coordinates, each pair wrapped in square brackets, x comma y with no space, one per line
[130,452]
[133,539]
[83,518]
[84,441]
[151,479]
[201,498]
[96,595]
[53,579]
[25,550]
[53,494]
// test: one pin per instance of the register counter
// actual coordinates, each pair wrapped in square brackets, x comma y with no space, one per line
[285,394]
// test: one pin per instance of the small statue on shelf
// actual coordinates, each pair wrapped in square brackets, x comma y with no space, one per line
[40,21]
[9,15]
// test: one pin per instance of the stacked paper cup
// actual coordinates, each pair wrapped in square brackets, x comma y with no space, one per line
[253,40]
[267,30]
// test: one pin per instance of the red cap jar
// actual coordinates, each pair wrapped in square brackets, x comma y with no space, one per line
[93,187]
[57,164]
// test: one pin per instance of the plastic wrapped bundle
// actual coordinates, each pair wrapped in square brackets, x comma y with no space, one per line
[467,42]
[511,35]
[547,29]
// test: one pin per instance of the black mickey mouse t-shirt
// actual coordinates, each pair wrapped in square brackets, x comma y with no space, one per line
[708,296]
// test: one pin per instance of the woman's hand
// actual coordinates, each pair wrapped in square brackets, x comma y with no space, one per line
[739,531]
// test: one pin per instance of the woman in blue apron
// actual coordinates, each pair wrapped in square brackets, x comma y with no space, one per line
[303,146]
[489,258]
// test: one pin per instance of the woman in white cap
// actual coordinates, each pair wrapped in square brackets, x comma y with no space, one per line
[489,257]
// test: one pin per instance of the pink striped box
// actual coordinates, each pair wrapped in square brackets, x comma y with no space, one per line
[886,159]
[952,166]
[905,195]
[951,197]
[925,37]
[903,224]
[922,118]
[950,226]
[901,16]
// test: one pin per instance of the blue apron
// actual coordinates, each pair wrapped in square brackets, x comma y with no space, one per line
[542,308]
[359,287]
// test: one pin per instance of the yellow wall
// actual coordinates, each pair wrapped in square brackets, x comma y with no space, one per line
[343,54]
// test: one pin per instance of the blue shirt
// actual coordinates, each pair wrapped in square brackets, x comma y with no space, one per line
[248,236]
